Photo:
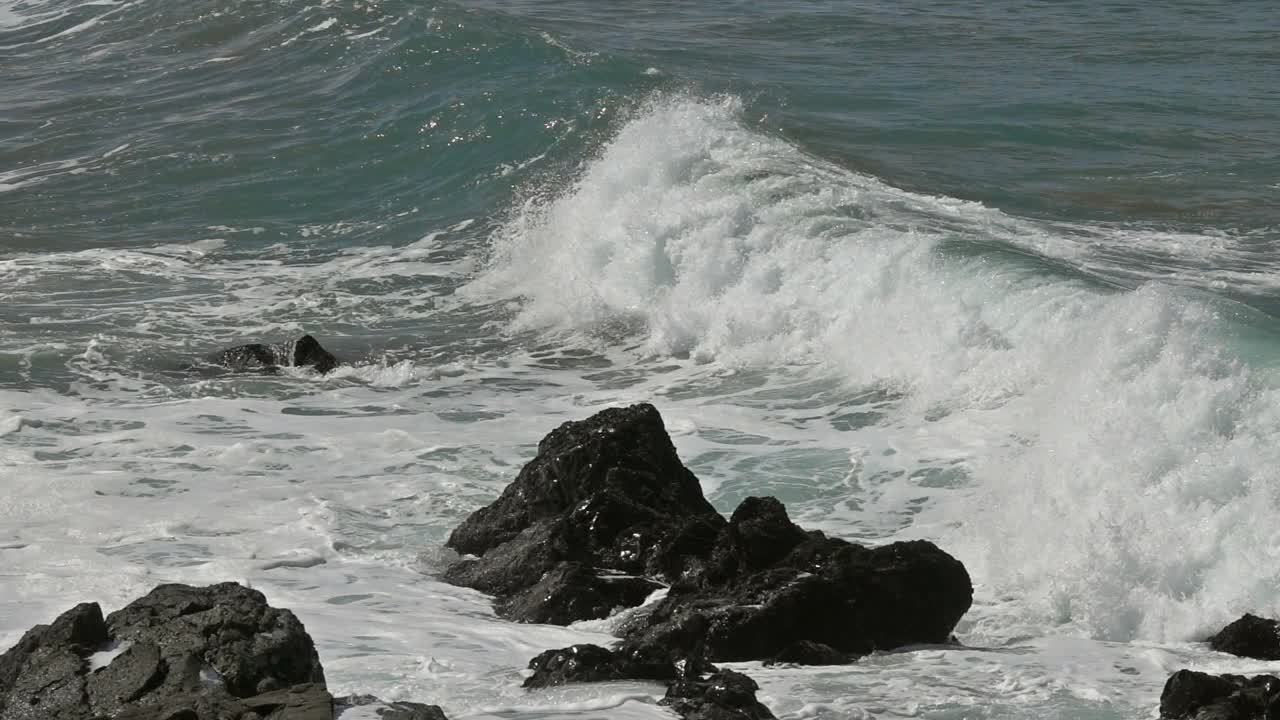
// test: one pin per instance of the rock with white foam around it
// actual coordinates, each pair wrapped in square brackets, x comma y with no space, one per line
[178,653]
[608,497]
[306,351]
[1251,637]
[1191,695]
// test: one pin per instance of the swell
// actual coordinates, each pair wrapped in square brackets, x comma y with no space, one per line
[1035,393]
[319,124]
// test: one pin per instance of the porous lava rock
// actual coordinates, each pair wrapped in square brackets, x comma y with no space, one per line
[606,512]
[179,653]
[1251,637]
[1191,695]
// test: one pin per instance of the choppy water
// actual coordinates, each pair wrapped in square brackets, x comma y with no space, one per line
[1005,277]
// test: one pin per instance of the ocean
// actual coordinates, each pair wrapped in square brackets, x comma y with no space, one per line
[1004,276]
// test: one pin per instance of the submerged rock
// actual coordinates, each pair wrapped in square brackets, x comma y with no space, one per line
[178,653]
[306,351]
[1200,696]
[1251,637]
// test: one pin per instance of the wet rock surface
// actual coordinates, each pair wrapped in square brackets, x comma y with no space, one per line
[608,496]
[1201,696]
[592,663]
[725,695]
[1251,637]
[306,351]
[178,653]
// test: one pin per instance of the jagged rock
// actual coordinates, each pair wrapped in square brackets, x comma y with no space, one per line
[178,653]
[1200,696]
[1251,637]
[759,598]
[726,695]
[604,496]
[608,492]
[391,710]
[592,663]
[306,351]
[807,652]
[571,591]
[609,495]
[43,676]
[230,629]
[300,702]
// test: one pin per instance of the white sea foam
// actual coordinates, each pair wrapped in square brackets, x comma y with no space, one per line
[889,364]
[1031,407]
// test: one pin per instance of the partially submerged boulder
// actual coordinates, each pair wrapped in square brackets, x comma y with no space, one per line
[609,495]
[306,351]
[178,653]
[1191,695]
[592,663]
[1251,637]
[606,512]
[725,695]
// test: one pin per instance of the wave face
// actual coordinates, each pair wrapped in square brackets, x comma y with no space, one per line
[1037,402]
[1002,277]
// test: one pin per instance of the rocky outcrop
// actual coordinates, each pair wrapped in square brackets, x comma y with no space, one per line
[592,663]
[606,512]
[306,351]
[769,588]
[1251,637]
[609,495]
[178,653]
[1194,695]
[725,695]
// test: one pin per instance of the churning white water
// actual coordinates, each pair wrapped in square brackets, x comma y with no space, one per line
[1097,448]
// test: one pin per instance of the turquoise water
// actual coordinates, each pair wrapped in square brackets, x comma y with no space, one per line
[1002,276]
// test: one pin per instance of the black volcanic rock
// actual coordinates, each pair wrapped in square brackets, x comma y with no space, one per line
[592,663]
[606,512]
[827,591]
[608,494]
[572,591]
[306,351]
[179,653]
[229,629]
[1251,637]
[1194,695]
[808,652]
[725,695]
